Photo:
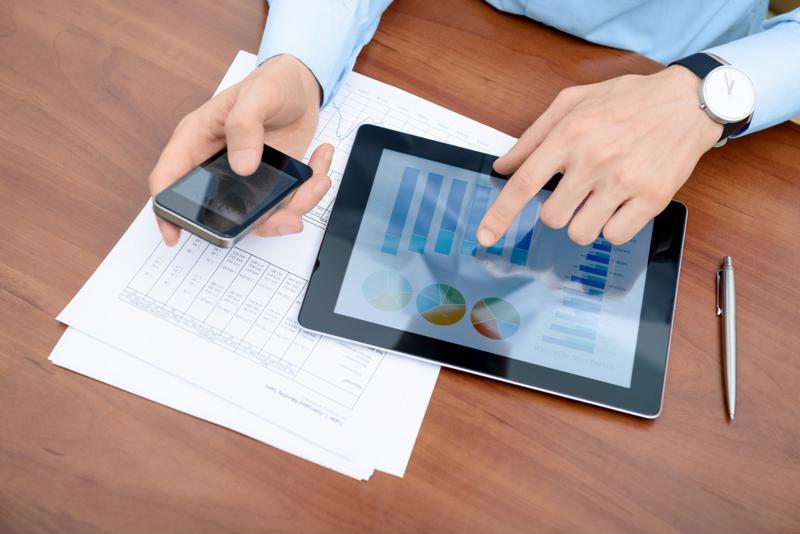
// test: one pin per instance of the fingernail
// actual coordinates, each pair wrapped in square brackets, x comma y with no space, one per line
[243,160]
[286,229]
[327,152]
[486,237]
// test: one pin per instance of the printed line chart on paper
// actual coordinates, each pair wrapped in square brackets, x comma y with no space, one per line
[362,100]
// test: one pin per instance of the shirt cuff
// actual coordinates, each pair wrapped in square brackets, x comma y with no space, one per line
[771,58]
[325,35]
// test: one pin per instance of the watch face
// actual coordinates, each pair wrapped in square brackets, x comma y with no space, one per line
[729,94]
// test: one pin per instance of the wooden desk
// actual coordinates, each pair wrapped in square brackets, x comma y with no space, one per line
[89,93]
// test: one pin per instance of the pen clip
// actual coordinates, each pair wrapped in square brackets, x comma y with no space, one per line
[719,310]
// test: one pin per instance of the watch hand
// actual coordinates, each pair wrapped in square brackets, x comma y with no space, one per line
[729,84]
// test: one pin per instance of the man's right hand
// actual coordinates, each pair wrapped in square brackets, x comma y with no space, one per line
[277,104]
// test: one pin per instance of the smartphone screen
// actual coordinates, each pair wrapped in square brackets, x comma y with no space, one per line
[214,197]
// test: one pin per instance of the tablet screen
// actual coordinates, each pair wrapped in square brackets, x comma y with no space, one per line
[534,296]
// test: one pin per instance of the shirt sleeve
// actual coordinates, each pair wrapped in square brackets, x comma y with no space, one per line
[326,35]
[771,58]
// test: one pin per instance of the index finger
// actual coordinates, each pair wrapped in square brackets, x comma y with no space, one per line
[520,189]
[309,194]
[534,136]
[289,217]
[197,137]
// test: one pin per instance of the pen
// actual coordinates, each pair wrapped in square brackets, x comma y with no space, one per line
[726,308]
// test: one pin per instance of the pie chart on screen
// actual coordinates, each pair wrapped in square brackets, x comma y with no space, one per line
[441,304]
[387,290]
[495,318]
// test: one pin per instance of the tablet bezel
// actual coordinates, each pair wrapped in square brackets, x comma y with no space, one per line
[644,397]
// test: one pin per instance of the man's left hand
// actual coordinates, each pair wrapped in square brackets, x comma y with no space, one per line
[625,146]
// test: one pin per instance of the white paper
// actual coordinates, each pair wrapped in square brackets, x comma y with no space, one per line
[83,354]
[225,320]
[342,401]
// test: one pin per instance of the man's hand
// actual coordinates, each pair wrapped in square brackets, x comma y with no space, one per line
[277,104]
[625,147]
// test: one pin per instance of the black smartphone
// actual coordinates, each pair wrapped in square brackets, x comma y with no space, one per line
[215,203]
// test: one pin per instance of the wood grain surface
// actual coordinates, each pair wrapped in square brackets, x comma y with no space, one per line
[89,93]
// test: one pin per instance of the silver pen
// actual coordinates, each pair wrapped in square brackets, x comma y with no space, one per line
[726,308]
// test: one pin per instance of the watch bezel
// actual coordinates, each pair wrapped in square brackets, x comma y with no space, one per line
[707,105]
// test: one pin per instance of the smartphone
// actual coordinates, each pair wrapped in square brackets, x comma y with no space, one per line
[215,203]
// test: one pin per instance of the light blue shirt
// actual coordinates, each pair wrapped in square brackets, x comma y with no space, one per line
[327,35]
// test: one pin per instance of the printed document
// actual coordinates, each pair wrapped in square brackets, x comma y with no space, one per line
[213,332]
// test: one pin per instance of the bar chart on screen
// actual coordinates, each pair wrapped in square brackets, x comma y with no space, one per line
[434,212]
[418,226]
[575,321]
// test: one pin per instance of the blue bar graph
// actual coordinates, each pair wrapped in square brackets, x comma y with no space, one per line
[583,305]
[458,218]
[599,257]
[397,220]
[575,317]
[605,246]
[480,202]
[447,230]
[527,220]
[589,280]
[570,343]
[422,226]
[497,248]
[586,292]
[578,331]
[599,271]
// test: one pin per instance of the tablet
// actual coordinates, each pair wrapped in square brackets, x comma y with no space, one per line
[400,268]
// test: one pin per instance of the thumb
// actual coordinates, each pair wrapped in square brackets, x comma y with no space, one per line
[539,130]
[244,126]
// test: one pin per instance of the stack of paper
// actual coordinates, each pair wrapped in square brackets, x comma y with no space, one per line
[213,332]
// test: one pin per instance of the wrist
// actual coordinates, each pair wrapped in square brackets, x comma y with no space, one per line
[685,86]
[307,81]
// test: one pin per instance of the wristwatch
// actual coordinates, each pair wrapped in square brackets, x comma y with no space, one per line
[727,94]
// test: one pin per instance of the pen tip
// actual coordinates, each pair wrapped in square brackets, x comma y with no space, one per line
[731,415]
